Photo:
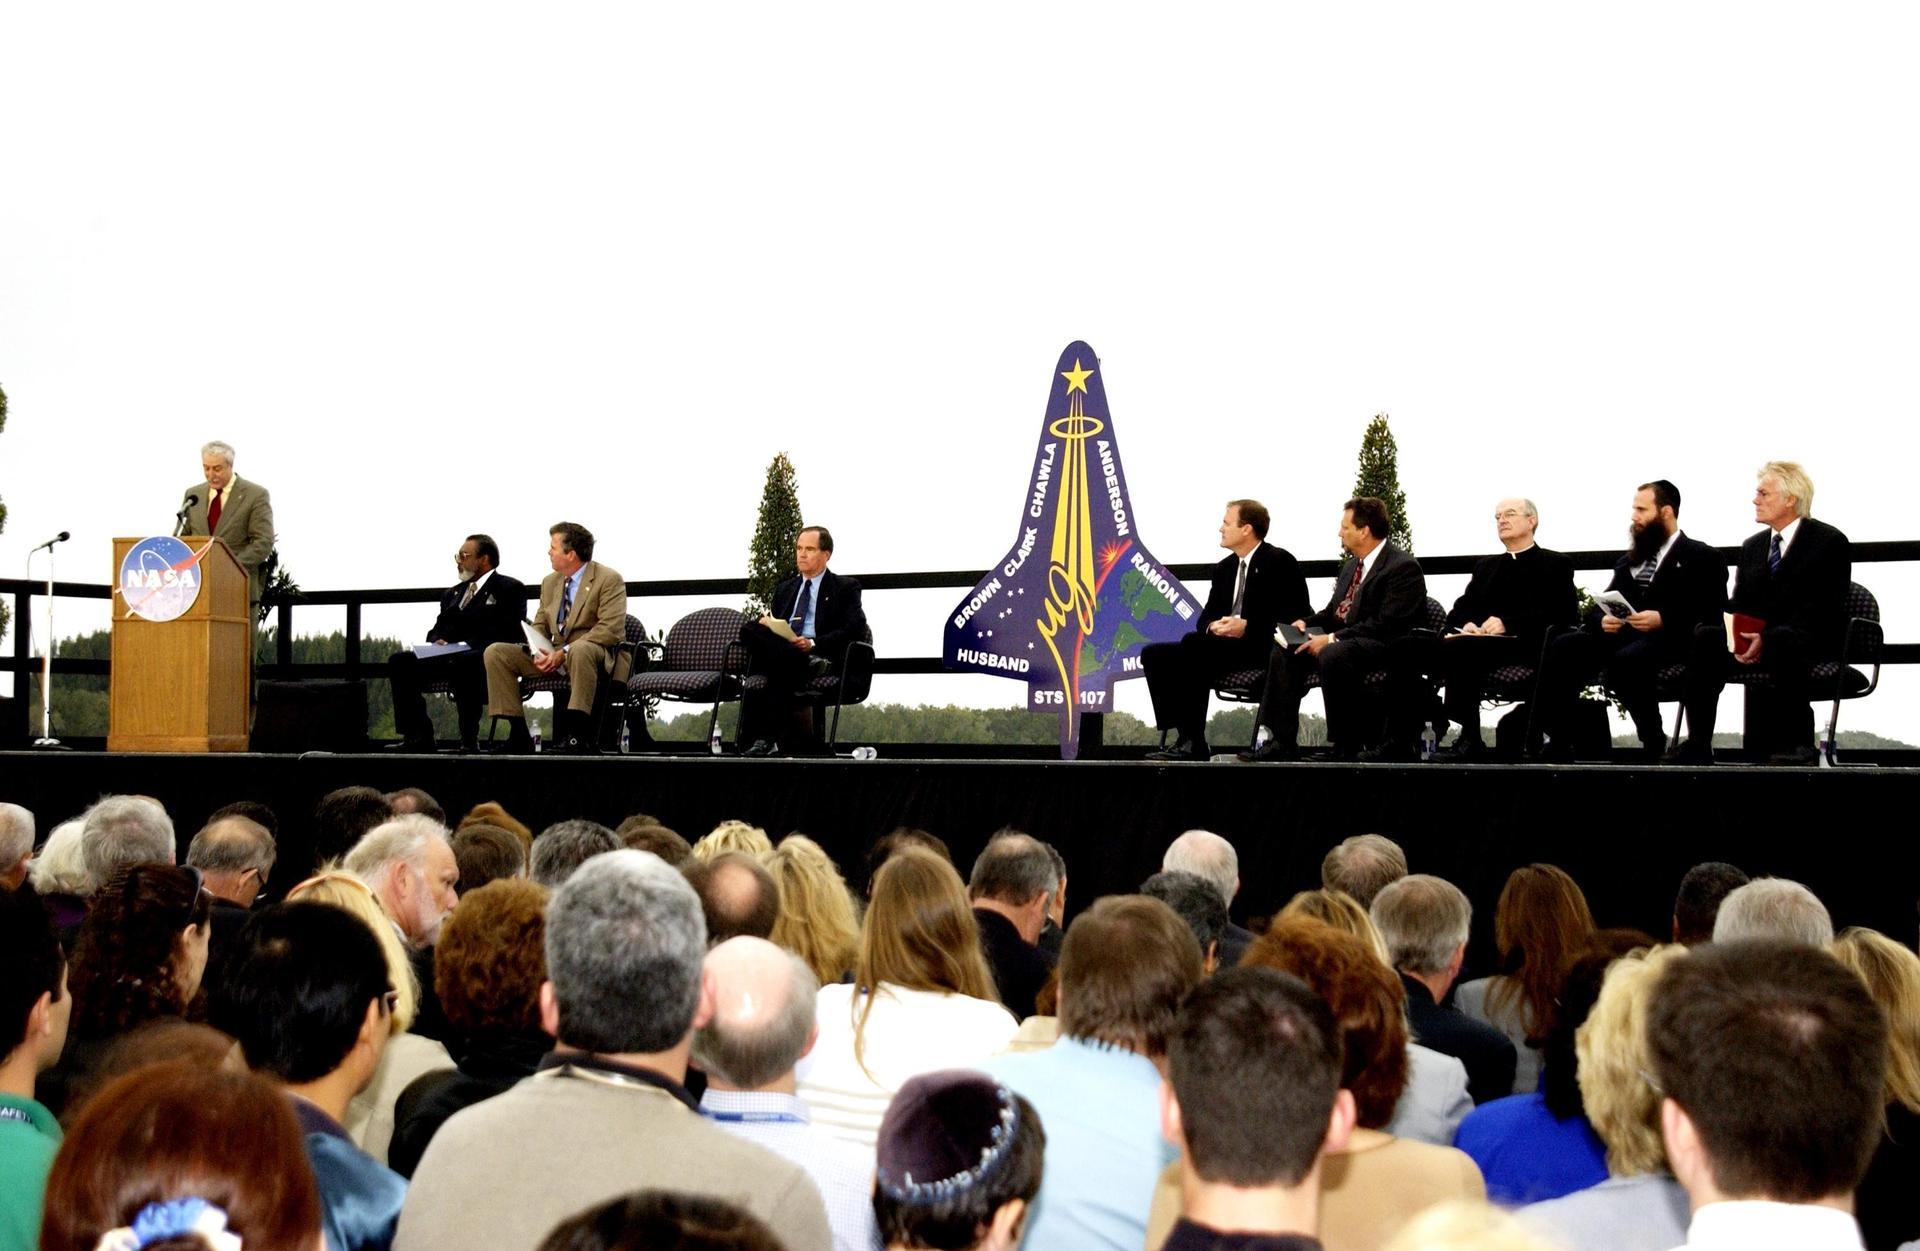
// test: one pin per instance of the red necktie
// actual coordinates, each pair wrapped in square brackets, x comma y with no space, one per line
[213,512]
[1346,601]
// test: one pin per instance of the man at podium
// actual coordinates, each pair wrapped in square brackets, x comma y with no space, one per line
[236,512]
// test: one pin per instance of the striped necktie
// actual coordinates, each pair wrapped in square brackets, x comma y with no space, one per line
[566,602]
[1773,555]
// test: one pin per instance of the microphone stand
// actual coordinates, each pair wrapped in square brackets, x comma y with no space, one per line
[46,741]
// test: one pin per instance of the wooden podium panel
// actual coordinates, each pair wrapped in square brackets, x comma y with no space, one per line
[183,685]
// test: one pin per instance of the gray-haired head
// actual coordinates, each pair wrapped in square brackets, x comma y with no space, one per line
[763,1013]
[1773,907]
[121,830]
[61,866]
[1423,920]
[1013,868]
[625,941]
[402,840]
[1362,866]
[1194,900]
[1206,855]
[218,451]
[566,845]
[16,836]
[232,845]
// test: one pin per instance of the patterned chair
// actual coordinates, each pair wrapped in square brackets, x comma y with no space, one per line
[611,693]
[848,685]
[702,660]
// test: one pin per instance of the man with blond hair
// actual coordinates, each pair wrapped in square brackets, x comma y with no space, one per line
[1793,579]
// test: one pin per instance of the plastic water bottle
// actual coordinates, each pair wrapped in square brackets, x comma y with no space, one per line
[1429,743]
[626,737]
[533,728]
[865,753]
[713,740]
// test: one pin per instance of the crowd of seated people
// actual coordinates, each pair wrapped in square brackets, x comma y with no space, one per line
[595,1038]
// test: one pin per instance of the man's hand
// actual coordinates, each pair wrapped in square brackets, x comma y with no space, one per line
[804,643]
[1645,620]
[1493,625]
[550,662]
[1610,624]
[1315,645]
[1228,627]
[1750,654]
[438,642]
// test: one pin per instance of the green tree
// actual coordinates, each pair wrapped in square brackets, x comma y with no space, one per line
[1379,477]
[770,559]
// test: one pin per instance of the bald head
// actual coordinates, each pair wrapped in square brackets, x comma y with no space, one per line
[234,855]
[1207,856]
[763,1016]
[737,894]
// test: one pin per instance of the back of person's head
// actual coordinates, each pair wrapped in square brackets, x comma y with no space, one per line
[1195,901]
[1012,869]
[1465,1225]
[662,1220]
[1892,975]
[1362,866]
[1701,893]
[1207,856]
[60,868]
[156,1042]
[958,1160]
[300,980]
[181,1131]
[625,941]
[16,838]
[342,890]
[1575,993]
[564,846]
[1773,907]
[486,853]
[491,813]
[1126,965]
[491,959]
[343,817]
[1777,1055]
[895,841]
[1541,919]
[413,799]
[32,971]
[647,834]
[233,846]
[398,840]
[737,895]
[763,1013]
[920,932]
[1365,998]
[1255,1071]
[122,830]
[733,836]
[1343,912]
[817,919]
[1423,920]
[253,810]
[1613,1063]
[141,950]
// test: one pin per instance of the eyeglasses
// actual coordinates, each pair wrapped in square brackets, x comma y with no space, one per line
[390,1001]
[1508,515]
[199,885]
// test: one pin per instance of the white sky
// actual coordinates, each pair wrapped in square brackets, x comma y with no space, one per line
[435,269]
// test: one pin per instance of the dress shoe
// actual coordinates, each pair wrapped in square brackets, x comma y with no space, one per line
[1550,753]
[1652,750]
[1385,753]
[1272,751]
[1184,749]
[1467,751]
[1801,757]
[413,746]
[1693,752]
[761,747]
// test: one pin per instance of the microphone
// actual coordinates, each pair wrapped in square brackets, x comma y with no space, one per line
[61,537]
[180,518]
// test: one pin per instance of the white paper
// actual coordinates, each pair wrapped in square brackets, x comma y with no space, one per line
[539,642]
[427,651]
[1614,604]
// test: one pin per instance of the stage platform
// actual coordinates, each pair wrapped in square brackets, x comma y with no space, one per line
[1625,833]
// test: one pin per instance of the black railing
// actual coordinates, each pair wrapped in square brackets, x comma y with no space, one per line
[22,662]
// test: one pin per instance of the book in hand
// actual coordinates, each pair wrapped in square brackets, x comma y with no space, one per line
[1286,634]
[1614,604]
[780,628]
[427,651]
[539,642]
[1739,624]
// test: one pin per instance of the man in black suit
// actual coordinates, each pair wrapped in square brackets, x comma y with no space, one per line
[1378,599]
[1424,921]
[1794,576]
[483,607]
[1253,590]
[1011,888]
[1674,584]
[822,611]
[1502,617]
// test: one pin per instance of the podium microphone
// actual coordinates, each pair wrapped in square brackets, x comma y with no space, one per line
[61,537]
[180,518]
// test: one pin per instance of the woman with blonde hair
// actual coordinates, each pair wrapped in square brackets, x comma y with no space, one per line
[733,836]
[1541,920]
[817,921]
[369,1119]
[921,1000]
[1885,1202]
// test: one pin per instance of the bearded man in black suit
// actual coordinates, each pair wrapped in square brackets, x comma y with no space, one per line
[483,607]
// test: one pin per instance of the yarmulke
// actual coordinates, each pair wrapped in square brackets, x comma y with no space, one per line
[943,1134]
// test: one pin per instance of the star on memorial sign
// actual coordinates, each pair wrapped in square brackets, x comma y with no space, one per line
[1076,377]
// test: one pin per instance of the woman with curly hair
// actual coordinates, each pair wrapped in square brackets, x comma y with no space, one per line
[817,921]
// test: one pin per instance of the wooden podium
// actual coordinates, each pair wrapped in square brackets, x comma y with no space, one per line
[183,685]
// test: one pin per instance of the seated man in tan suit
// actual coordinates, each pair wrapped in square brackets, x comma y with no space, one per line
[583,613]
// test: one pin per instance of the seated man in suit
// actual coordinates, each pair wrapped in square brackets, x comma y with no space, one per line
[484,607]
[1254,589]
[1674,584]
[583,613]
[237,512]
[1502,617]
[1378,599]
[1794,576]
[822,611]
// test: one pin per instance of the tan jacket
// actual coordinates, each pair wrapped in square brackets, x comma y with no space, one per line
[598,613]
[246,526]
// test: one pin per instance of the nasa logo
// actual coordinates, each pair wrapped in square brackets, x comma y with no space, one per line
[160,578]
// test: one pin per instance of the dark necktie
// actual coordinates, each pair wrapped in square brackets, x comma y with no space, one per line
[566,602]
[1773,555]
[801,603]
[1346,601]
[1644,574]
[213,514]
[1239,588]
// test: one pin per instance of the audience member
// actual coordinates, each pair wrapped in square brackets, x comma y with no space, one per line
[1362,866]
[921,999]
[1424,921]
[1886,1202]
[488,969]
[737,895]
[16,845]
[1640,1207]
[1195,901]
[408,864]
[1011,888]
[490,813]
[234,855]
[1054,932]
[817,920]
[1342,911]
[343,817]
[34,1007]
[1462,1225]
[733,836]
[959,1159]
[1772,1059]
[486,853]
[646,834]
[58,875]
[1697,904]
[625,991]
[1208,856]
[175,1148]
[1774,908]
[762,1023]
[1540,921]
[412,799]
[1252,1102]
[253,810]
[658,1220]
[895,841]
[1127,964]
[566,845]
[168,1038]
[124,830]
